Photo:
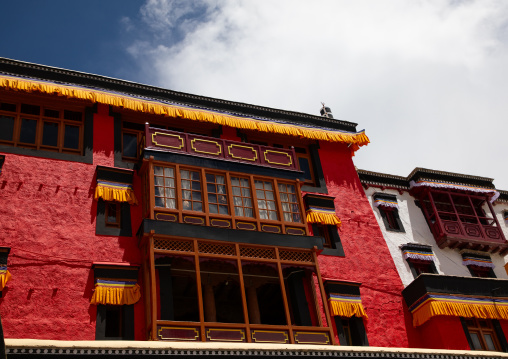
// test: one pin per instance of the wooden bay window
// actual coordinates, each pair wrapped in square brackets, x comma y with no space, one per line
[209,197]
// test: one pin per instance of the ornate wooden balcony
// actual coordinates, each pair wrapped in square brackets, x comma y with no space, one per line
[211,147]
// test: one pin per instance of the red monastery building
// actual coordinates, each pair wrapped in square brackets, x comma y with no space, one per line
[136,213]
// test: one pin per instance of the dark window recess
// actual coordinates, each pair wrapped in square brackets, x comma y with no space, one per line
[332,244]
[351,331]
[310,164]
[484,272]
[6,128]
[418,267]
[113,219]
[115,322]
[391,219]
[484,334]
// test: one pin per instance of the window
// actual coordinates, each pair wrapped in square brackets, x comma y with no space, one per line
[420,258]
[481,334]
[257,293]
[242,197]
[458,219]
[345,298]
[389,209]
[115,322]
[41,127]
[332,244]
[223,199]
[479,264]
[112,214]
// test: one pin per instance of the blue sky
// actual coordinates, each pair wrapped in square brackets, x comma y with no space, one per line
[427,79]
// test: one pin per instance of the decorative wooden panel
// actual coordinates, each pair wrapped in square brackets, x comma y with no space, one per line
[252,252]
[270,336]
[242,152]
[223,223]
[246,226]
[168,140]
[295,231]
[177,333]
[207,147]
[311,338]
[169,217]
[225,335]
[295,256]
[214,248]
[271,228]
[278,158]
[194,220]
[173,245]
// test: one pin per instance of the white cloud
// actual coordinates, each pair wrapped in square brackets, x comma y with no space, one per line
[427,79]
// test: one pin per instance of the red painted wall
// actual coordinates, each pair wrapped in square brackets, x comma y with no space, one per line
[47,218]
[367,259]
[443,332]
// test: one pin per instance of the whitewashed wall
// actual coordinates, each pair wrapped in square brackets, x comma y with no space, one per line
[448,261]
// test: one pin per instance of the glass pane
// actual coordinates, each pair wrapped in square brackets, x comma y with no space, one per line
[50,134]
[158,170]
[476,341]
[170,192]
[28,131]
[185,184]
[72,115]
[239,211]
[30,109]
[223,210]
[51,113]
[220,179]
[213,208]
[247,202]
[246,192]
[212,198]
[223,199]
[184,174]
[273,215]
[235,181]
[210,188]
[268,186]
[210,178]
[187,205]
[6,128]
[248,212]
[170,182]
[71,137]
[159,192]
[489,342]
[158,181]
[171,203]
[260,194]
[305,167]
[198,206]
[244,182]
[236,191]
[284,197]
[196,186]
[195,176]
[269,195]
[169,172]
[130,147]
[196,196]
[271,205]
[221,189]
[159,202]
[296,217]
[7,107]
[259,185]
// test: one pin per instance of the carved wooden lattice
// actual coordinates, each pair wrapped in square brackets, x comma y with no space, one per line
[173,245]
[214,248]
[250,252]
[295,256]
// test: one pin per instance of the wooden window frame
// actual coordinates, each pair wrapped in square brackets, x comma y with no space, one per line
[194,250]
[231,217]
[117,215]
[41,119]
[391,219]
[473,326]
[332,245]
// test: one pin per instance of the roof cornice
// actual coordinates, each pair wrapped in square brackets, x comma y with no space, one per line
[27,69]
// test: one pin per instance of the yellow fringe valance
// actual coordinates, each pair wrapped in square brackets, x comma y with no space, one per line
[323,216]
[5,276]
[355,140]
[115,192]
[115,292]
[346,306]
[484,309]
